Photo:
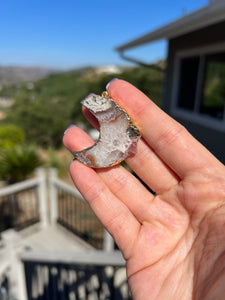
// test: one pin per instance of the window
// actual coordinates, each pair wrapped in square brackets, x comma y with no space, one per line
[213,93]
[188,83]
[200,88]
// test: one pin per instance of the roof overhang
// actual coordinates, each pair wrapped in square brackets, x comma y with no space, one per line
[208,15]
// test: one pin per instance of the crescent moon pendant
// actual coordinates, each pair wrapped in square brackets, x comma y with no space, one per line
[118,135]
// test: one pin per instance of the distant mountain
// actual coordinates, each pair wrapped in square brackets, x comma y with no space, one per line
[16,74]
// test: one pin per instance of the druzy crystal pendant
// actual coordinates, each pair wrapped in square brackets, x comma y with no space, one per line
[118,135]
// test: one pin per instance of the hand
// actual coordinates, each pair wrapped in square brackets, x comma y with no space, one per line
[174,241]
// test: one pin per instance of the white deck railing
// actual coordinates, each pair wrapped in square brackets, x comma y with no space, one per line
[77,275]
[47,188]
[39,183]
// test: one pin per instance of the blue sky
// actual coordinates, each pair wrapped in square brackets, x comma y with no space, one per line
[71,33]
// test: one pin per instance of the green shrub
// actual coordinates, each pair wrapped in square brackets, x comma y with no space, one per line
[18,162]
[10,135]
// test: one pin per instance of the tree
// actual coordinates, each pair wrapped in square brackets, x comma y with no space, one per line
[53,103]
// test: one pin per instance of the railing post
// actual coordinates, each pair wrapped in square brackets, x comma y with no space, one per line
[108,242]
[42,196]
[53,196]
[13,248]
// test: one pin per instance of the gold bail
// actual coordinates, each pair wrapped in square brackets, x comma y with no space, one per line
[105,94]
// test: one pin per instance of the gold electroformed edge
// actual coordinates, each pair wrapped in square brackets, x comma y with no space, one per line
[132,129]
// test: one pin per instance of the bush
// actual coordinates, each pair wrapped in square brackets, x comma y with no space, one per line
[18,162]
[10,135]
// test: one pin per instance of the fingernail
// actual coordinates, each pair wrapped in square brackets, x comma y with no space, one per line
[72,125]
[108,84]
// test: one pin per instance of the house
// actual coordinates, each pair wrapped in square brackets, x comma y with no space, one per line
[194,86]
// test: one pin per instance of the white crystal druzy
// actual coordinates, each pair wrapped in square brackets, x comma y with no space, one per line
[118,136]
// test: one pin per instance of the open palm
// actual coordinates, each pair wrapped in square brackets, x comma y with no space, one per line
[173,241]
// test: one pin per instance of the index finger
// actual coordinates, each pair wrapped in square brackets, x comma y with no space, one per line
[169,139]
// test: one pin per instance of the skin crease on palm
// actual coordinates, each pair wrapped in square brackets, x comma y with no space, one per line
[173,242]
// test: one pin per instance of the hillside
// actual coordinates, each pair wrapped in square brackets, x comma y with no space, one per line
[46,107]
[14,74]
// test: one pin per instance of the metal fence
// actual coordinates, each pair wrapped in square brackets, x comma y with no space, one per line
[21,203]
[77,216]
[19,210]
[71,210]
[91,275]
